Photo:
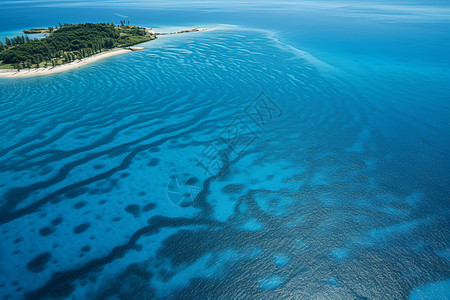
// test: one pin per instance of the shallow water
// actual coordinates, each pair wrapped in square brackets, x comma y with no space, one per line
[232,162]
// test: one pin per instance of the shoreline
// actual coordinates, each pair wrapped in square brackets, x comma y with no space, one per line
[13,73]
[9,73]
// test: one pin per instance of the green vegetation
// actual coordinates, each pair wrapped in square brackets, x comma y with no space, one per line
[68,43]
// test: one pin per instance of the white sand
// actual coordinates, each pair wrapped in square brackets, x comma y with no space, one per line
[52,70]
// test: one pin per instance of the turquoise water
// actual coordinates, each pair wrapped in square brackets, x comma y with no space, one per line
[296,152]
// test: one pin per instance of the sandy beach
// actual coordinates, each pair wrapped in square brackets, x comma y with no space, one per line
[73,65]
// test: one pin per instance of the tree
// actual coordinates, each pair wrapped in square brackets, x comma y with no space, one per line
[7,41]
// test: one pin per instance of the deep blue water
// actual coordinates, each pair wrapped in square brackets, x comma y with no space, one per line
[299,151]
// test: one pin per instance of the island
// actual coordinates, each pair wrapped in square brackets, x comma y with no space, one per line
[71,46]
[69,43]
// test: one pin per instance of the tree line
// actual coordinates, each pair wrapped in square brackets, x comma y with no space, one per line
[69,42]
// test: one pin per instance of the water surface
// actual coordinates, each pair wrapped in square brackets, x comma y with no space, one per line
[294,153]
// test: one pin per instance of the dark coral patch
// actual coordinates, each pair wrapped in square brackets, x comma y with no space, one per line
[233,188]
[153,162]
[94,191]
[85,248]
[57,221]
[81,228]
[254,181]
[149,206]
[38,263]
[192,181]
[46,231]
[79,205]
[124,175]
[133,209]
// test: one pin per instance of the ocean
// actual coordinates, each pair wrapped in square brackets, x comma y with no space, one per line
[296,150]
